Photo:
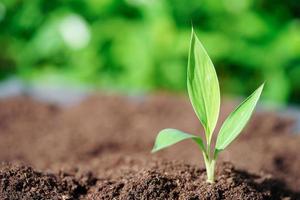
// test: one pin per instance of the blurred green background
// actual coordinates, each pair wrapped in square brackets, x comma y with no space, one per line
[142,45]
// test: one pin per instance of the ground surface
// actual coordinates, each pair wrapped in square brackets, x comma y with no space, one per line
[100,148]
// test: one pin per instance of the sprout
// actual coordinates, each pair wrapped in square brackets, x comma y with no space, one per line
[204,93]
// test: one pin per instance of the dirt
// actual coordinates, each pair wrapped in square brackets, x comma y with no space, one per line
[102,145]
[22,182]
[173,180]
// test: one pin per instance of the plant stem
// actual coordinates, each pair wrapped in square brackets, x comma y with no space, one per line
[210,170]
[210,163]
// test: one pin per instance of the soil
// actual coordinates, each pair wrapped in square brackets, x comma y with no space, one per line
[100,148]
[173,180]
[22,182]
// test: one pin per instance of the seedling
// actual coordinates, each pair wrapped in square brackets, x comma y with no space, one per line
[204,93]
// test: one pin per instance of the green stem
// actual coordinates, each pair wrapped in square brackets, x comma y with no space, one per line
[210,170]
[210,163]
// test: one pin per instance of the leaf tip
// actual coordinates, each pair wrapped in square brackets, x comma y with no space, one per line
[154,150]
[261,87]
[192,28]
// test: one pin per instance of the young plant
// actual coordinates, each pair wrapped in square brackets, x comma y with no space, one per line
[204,94]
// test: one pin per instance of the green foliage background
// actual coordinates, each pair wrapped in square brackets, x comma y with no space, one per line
[142,45]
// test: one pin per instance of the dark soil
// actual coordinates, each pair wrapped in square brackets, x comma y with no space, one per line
[172,180]
[22,182]
[100,150]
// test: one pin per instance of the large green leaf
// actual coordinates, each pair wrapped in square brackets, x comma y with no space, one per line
[203,86]
[168,137]
[236,121]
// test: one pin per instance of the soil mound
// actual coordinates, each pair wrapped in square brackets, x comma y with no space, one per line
[173,180]
[23,183]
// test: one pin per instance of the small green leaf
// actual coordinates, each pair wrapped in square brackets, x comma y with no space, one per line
[236,121]
[168,137]
[203,86]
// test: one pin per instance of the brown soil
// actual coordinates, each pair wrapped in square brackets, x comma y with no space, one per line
[22,182]
[102,147]
[172,180]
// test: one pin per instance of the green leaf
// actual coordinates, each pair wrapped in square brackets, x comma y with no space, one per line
[203,86]
[236,121]
[168,137]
